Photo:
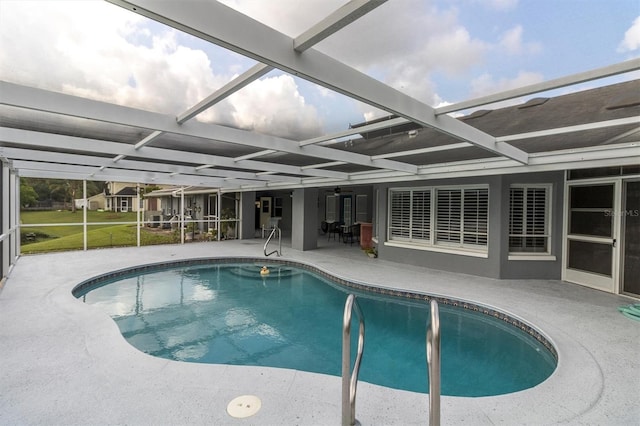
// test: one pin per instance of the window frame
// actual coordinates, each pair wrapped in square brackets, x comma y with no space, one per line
[547,217]
[394,222]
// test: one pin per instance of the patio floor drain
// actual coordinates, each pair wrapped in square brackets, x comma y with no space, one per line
[244,406]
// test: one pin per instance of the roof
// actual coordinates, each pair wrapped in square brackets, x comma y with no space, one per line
[54,135]
[127,191]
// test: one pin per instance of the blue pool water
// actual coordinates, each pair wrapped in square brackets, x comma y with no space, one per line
[230,314]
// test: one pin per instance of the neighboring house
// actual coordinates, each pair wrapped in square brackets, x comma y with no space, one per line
[198,204]
[120,197]
[95,202]
[123,197]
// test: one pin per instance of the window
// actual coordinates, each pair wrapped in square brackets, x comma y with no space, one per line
[442,218]
[277,207]
[462,217]
[529,209]
[361,208]
[330,208]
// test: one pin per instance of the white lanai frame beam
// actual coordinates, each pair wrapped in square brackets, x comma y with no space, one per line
[217,23]
[40,140]
[28,168]
[334,22]
[557,83]
[89,160]
[42,100]
[236,84]
[243,80]
[608,71]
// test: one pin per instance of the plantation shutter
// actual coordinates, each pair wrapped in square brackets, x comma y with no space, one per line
[528,225]
[448,215]
[421,215]
[400,215]
[476,215]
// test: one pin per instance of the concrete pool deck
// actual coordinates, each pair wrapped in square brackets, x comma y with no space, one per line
[64,362]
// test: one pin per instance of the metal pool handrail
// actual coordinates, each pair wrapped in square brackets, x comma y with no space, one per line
[350,380]
[279,250]
[433,364]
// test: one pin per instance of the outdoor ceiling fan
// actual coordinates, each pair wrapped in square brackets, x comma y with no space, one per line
[337,191]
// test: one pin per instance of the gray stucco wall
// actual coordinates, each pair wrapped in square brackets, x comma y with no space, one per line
[248,214]
[496,264]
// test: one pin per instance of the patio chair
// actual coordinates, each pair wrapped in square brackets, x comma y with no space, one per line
[335,229]
[353,233]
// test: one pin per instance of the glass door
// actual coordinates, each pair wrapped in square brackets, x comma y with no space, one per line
[591,235]
[631,238]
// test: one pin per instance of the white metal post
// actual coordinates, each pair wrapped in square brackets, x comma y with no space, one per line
[16,217]
[84,213]
[182,215]
[138,214]
[14,231]
[218,214]
[5,220]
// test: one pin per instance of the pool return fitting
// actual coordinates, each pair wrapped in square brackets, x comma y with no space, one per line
[350,380]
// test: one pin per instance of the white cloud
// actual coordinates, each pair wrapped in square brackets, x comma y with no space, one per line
[274,105]
[631,39]
[513,43]
[103,52]
[501,4]
[487,84]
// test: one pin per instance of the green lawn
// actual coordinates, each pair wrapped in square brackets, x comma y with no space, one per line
[60,238]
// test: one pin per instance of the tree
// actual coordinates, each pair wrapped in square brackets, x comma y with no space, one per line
[28,195]
[61,190]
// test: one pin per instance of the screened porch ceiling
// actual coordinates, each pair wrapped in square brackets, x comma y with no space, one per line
[54,135]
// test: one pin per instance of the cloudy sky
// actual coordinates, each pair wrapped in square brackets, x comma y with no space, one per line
[438,51]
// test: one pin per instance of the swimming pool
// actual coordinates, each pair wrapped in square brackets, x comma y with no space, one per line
[228,313]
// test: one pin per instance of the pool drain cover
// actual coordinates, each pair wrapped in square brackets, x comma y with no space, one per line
[244,406]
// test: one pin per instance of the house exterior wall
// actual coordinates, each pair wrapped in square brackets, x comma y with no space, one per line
[495,263]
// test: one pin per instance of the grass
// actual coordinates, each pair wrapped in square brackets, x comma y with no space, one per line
[60,238]
[65,216]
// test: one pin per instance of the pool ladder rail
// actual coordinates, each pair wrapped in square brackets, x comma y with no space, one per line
[433,364]
[273,233]
[350,380]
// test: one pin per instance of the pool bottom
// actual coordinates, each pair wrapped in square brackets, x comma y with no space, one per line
[97,281]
